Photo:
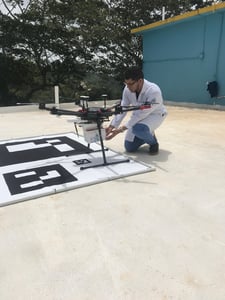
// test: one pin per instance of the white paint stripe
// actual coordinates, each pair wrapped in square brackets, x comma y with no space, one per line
[63,147]
[25,174]
[26,146]
[50,174]
[31,184]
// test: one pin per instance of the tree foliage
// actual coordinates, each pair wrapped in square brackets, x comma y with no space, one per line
[48,42]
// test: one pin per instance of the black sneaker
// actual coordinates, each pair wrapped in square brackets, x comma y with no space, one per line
[154,149]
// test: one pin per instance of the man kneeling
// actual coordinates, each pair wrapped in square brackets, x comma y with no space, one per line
[143,122]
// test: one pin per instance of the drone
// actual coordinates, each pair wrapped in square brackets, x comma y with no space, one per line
[92,119]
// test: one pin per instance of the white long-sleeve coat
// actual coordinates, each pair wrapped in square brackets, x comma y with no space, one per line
[152,117]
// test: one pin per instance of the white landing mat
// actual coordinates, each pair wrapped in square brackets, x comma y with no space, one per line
[39,166]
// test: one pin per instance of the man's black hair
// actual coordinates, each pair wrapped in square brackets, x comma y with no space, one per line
[133,73]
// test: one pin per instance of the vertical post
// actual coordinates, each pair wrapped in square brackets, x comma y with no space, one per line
[104,97]
[56,92]
[163,13]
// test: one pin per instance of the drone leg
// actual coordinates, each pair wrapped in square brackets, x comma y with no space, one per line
[101,142]
[105,163]
[75,125]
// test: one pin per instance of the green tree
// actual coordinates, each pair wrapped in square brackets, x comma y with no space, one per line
[62,41]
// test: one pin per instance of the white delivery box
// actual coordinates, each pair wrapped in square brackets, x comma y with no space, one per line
[91,132]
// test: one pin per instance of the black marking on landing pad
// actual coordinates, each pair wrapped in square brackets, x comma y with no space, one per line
[28,171]
[84,161]
[37,178]
[33,154]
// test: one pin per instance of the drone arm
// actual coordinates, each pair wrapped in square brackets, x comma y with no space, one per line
[137,117]
[121,111]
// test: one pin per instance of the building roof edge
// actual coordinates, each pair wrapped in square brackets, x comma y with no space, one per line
[204,10]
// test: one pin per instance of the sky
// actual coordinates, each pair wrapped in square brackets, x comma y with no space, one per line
[4,10]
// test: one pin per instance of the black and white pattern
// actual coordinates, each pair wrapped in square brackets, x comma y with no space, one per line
[14,152]
[39,166]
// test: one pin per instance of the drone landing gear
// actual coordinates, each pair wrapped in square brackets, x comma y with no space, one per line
[104,163]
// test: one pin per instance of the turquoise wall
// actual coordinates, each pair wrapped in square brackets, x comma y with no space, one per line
[182,57]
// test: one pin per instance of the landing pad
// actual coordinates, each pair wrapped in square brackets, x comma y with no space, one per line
[38,166]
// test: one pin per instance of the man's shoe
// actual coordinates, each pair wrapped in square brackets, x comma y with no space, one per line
[154,149]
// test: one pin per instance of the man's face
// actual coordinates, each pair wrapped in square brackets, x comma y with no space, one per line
[134,85]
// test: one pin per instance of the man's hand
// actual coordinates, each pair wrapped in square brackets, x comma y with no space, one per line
[112,134]
[111,131]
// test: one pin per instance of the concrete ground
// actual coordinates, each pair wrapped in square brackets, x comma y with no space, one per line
[153,236]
